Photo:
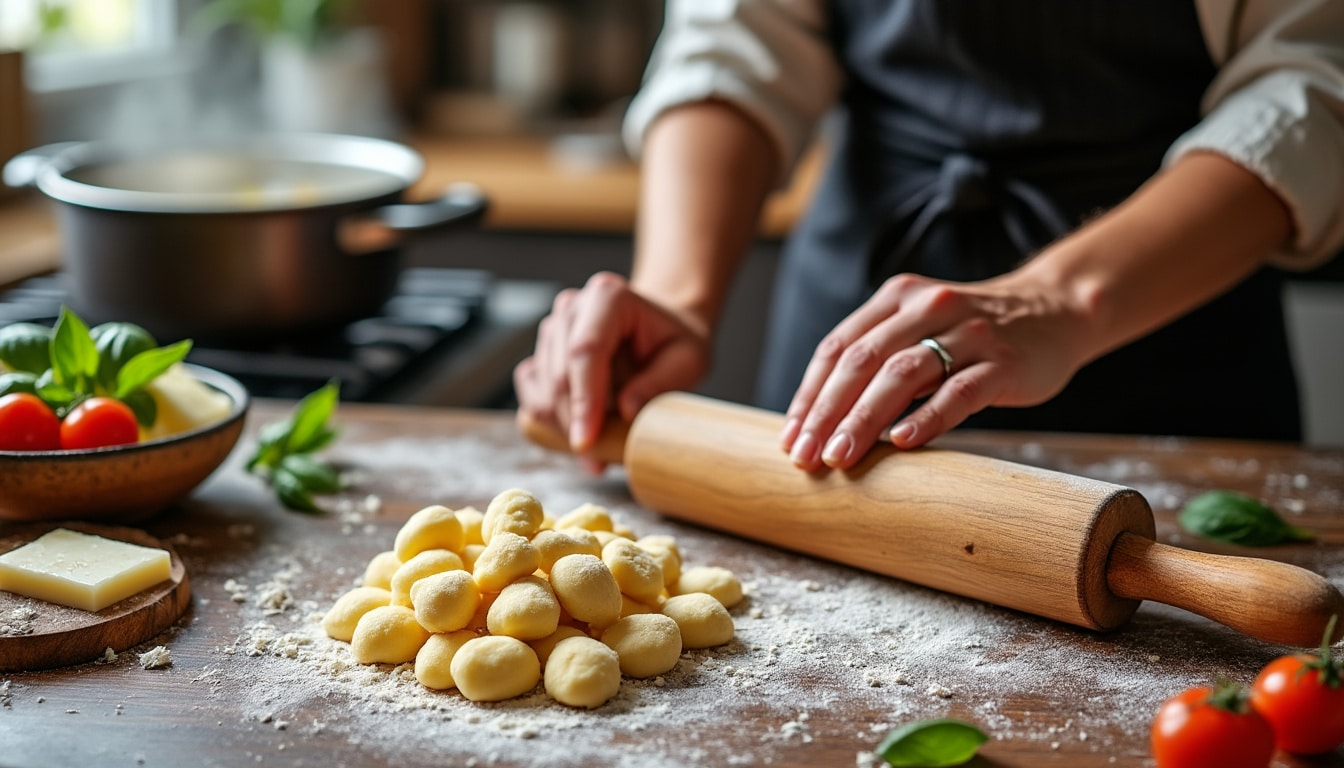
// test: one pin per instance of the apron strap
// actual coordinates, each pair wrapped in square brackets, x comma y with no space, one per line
[962,183]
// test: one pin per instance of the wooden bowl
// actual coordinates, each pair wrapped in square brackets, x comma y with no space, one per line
[122,484]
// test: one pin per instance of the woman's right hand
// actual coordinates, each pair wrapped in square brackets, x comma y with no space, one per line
[606,348]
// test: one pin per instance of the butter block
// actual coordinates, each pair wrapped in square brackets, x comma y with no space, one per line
[82,571]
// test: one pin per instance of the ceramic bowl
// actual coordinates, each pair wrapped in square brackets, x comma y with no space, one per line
[121,483]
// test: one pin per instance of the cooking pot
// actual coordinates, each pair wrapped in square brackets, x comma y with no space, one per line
[262,235]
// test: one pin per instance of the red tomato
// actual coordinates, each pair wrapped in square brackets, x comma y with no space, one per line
[1303,698]
[27,424]
[1209,727]
[99,422]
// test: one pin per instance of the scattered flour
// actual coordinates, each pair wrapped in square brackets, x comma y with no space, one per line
[157,657]
[890,651]
[823,653]
[19,621]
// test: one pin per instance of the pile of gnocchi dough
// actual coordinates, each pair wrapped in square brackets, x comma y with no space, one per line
[491,604]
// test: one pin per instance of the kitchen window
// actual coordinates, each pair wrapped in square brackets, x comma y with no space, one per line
[76,44]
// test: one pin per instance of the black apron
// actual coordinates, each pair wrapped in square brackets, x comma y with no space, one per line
[971,133]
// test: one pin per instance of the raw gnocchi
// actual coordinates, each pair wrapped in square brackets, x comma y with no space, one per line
[492,604]
[583,673]
[494,668]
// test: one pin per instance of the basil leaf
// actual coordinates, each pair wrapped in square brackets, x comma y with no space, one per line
[26,347]
[931,743]
[292,492]
[74,357]
[270,445]
[1238,519]
[316,476]
[117,343]
[147,366]
[284,451]
[54,393]
[18,382]
[143,406]
[309,431]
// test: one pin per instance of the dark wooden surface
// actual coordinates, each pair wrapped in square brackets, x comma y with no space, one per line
[60,635]
[237,693]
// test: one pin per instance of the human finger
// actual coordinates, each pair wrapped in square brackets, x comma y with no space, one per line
[902,377]
[861,361]
[600,322]
[844,384]
[677,366]
[885,302]
[964,393]
[551,353]
[526,386]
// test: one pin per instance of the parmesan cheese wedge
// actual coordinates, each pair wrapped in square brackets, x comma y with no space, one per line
[82,571]
[184,403]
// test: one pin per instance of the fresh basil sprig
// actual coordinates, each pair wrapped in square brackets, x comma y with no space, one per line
[285,451]
[68,363]
[931,743]
[1238,519]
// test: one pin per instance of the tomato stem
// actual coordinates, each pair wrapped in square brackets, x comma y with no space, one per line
[1230,696]
[1327,667]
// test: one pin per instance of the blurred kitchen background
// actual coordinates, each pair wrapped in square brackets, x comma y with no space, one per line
[520,97]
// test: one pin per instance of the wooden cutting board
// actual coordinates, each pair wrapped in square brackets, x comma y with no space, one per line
[35,634]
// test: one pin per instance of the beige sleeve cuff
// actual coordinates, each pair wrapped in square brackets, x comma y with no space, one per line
[1280,129]
[770,58]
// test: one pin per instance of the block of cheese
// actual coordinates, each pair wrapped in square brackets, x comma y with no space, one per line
[183,403]
[82,571]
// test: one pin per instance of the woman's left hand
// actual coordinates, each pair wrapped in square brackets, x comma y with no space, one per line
[1011,341]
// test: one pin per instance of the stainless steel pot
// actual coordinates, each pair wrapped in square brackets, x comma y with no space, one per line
[264,235]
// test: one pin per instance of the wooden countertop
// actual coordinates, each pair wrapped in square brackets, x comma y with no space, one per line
[534,183]
[826,659]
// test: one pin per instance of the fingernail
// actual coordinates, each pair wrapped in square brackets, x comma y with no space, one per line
[576,436]
[805,450]
[903,433]
[790,433]
[632,404]
[837,449]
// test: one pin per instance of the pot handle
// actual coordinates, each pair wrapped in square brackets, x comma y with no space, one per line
[23,169]
[382,228]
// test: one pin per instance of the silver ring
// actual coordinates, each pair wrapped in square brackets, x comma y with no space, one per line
[942,353]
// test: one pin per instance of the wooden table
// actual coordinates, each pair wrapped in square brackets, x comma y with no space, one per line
[826,658]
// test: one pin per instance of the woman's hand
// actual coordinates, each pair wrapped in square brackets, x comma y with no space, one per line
[1192,232]
[1012,342]
[604,348]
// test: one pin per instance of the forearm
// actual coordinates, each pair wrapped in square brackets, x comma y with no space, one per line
[1188,235]
[705,174]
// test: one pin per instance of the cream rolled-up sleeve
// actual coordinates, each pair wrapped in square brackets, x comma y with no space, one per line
[1277,109]
[769,58]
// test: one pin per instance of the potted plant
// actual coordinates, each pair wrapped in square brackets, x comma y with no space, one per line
[320,69]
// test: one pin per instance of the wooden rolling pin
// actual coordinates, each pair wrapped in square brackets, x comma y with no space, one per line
[1045,542]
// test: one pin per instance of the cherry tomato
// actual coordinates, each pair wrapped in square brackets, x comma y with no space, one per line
[1211,727]
[27,424]
[99,422]
[1303,698]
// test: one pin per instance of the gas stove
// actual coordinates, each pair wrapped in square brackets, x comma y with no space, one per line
[447,337]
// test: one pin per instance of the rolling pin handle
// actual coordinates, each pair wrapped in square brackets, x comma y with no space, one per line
[609,447]
[1266,599]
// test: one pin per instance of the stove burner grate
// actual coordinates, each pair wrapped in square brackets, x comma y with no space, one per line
[429,310]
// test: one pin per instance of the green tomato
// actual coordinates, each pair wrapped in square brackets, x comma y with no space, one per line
[18,381]
[117,343]
[26,347]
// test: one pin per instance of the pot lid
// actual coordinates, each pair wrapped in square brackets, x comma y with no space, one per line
[255,174]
